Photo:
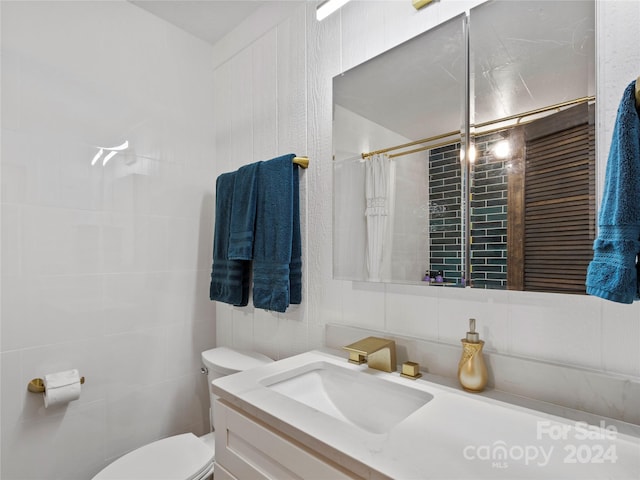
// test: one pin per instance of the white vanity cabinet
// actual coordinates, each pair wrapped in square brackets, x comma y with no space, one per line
[248,449]
[265,430]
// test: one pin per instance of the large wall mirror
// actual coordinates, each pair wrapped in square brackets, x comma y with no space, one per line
[518,211]
[532,181]
[397,176]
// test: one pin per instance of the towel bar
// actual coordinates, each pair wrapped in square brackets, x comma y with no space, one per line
[302,161]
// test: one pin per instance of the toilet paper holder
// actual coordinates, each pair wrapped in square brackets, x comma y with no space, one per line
[37,385]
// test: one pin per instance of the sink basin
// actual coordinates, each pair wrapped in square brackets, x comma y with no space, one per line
[356,397]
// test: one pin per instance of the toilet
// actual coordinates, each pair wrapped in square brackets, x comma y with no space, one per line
[185,456]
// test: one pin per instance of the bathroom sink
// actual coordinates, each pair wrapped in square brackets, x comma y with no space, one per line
[352,396]
[380,425]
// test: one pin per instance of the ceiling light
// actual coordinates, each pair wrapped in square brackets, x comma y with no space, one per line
[327,7]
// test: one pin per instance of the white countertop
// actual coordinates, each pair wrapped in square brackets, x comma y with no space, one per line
[456,435]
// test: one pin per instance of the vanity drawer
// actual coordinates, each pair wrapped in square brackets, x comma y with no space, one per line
[247,449]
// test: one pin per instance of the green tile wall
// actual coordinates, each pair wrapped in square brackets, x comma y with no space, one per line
[445,218]
[488,216]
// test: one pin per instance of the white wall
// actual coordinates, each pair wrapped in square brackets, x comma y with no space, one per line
[288,107]
[104,269]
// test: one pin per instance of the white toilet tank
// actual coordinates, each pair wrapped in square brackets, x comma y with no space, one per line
[223,361]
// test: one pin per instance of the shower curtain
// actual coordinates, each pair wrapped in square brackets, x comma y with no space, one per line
[380,192]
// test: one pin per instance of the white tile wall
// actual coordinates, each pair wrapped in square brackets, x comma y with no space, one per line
[106,269]
[409,311]
[103,269]
[620,333]
[560,329]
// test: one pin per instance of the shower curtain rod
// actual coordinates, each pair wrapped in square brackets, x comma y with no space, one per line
[518,116]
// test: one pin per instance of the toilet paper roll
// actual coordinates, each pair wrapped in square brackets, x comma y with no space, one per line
[61,388]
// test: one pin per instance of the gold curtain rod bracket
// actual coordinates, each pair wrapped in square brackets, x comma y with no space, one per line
[301,161]
[37,385]
[638,92]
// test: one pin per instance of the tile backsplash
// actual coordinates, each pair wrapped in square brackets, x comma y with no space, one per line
[575,388]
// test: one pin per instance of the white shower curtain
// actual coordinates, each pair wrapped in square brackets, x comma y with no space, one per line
[379,191]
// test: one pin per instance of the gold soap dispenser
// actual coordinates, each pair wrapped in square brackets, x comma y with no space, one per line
[472,371]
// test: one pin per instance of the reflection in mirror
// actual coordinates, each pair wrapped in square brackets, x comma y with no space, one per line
[532,184]
[397,176]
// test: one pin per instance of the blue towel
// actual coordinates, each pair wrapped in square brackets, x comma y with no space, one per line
[277,265]
[295,266]
[230,279]
[613,272]
[243,213]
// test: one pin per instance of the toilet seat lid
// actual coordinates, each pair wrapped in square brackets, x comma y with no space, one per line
[228,360]
[181,457]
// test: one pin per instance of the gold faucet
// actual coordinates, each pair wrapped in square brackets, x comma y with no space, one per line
[378,353]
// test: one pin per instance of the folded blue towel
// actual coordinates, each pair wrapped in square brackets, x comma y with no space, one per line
[295,266]
[277,265]
[243,213]
[613,272]
[230,279]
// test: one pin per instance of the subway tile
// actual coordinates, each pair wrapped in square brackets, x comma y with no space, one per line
[32,447]
[412,310]
[136,301]
[293,337]
[61,241]
[490,309]
[137,359]
[12,243]
[243,332]
[186,341]
[125,411]
[224,324]
[13,391]
[184,236]
[363,304]
[18,169]
[42,310]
